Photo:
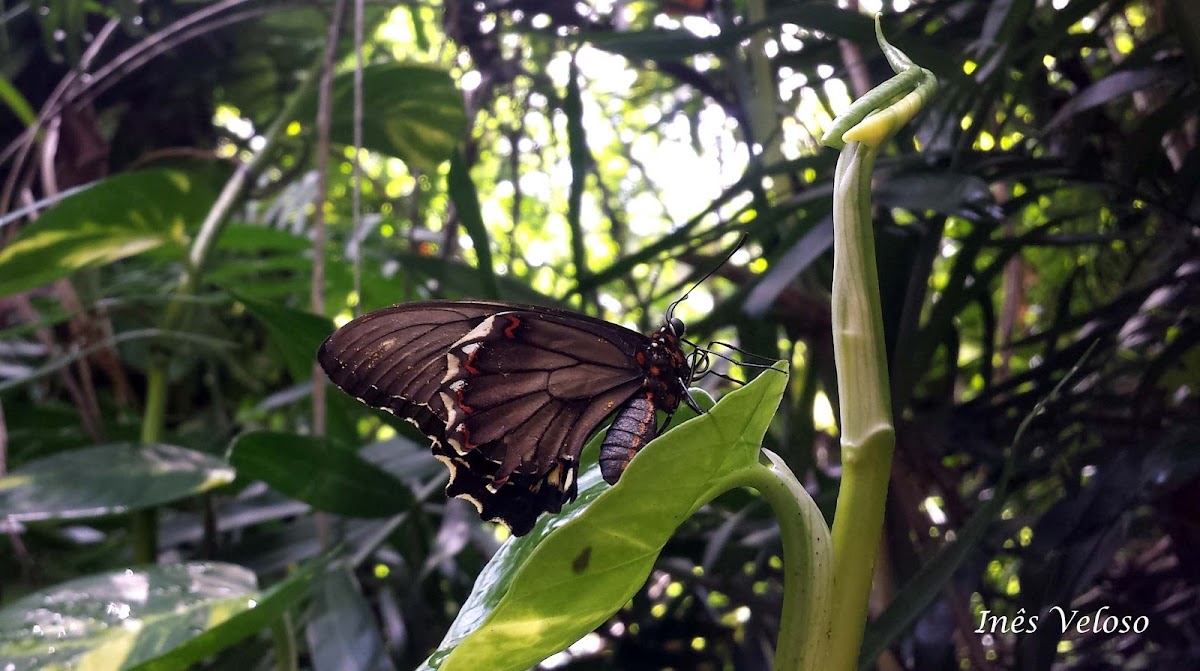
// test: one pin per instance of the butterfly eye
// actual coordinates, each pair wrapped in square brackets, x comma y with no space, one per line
[677,326]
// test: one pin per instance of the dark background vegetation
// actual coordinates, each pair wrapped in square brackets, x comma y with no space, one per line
[1045,201]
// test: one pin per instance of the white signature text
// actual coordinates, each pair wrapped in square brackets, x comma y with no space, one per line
[1095,623]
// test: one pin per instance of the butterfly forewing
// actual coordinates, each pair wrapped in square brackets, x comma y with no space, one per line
[508,393]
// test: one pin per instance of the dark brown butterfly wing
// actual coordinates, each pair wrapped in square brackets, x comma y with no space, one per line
[508,393]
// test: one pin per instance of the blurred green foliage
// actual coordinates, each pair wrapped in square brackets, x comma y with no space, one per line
[600,156]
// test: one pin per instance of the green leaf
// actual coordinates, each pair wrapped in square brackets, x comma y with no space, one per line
[117,218]
[258,239]
[342,631]
[458,279]
[951,193]
[107,480]
[320,473]
[466,204]
[545,590]
[295,333]
[414,112]
[146,618]
[1115,86]
[16,102]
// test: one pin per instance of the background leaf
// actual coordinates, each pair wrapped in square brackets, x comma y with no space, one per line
[119,217]
[342,630]
[107,480]
[148,618]
[345,484]
[416,112]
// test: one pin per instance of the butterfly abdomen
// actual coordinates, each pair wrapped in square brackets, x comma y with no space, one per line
[632,428]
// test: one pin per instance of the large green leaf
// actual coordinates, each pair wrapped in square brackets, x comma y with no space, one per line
[259,239]
[414,112]
[124,215]
[320,473]
[151,617]
[295,333]
[545,590]
[107,480]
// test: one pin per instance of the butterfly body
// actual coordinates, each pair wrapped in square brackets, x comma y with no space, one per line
[634,425]
[509,393]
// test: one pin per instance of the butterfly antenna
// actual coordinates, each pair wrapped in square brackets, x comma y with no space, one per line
[723,376]
[744,364]
[671,307]
[739,350]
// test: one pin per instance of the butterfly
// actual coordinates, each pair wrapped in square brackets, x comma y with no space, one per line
[509,394]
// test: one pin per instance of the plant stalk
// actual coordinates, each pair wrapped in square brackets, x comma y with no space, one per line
[868,436]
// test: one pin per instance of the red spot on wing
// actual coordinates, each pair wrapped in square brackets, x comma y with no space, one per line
[513,324]
[462,405]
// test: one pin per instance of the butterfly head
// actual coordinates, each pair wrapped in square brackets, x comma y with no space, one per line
[675,326]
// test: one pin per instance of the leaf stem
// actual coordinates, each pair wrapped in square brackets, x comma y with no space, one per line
[283,639]
[807,564]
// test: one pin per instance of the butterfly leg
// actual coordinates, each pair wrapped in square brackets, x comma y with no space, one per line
[691,402]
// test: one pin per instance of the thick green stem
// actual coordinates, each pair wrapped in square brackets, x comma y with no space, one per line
[868,437]
[144,528]
[144,523]
[808,586]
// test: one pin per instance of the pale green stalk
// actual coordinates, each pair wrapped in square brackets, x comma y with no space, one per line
[867,432]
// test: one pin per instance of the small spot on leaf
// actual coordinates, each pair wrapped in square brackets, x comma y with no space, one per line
[581,562]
